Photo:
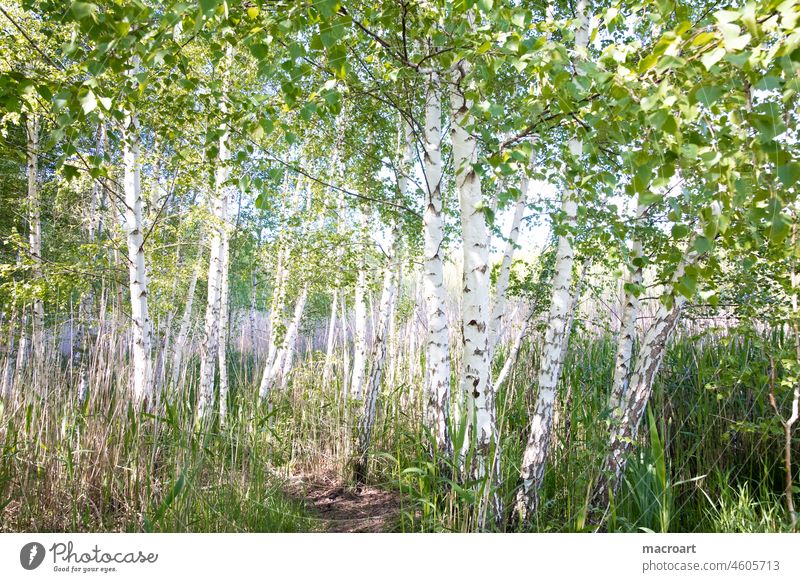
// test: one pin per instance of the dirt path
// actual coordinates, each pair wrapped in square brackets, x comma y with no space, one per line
[343,510]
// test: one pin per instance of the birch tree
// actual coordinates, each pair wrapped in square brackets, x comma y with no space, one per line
[338,171]
[475,378]
[627,326]
[134,229]
[278,302]
[35,226]
[499,308]
[360,325]
[215,330]
[377,361]
[437,356]
[186,320]
[283,363]
[627,418]
[535,454]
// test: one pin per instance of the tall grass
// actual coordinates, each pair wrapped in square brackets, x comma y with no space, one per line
[707,457]
[101,465]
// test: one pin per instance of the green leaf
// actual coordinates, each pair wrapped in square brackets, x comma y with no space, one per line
[767,83]
[779,227]
[789,174]
[687,285]
[337,58]
[259,50]
[88,102]
[680,231]
[70,172]
[82,10]
[208,5]
[703,39]
[702,244]
[711,58]
[707,94]
[646,198]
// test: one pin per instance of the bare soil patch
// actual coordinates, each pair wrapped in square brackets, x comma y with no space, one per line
[341,509]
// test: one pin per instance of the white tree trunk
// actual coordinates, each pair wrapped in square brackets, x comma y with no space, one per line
[421,306]
[278,303]
[291,337]
[279,371]
[253,301]
[85,325]
[383,325]
[627,327]
[360,330]
[567,404]
[437,354]
[535,455]
[10,361]
[338,177]
[498,311]
[215,331]
[140,318]
[24,341]
[393,334]
[35,228]
[224,316]
[186,320]
[513,353]
[327,372]
[626,418]
[475,378]
[376,365]
[276,316]
[208,347]
[345,350]
[573,309]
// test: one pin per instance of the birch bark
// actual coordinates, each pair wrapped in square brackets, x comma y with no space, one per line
[278,302]
[290,344]
[360,324]
[35,227]
[253,305]
[437,355]
[85,324]
[513,353]
[210,341]
[498,311]
[224,316]
[327,371]
[213,342]
[11,359]
[377,361]
[186,320]
[627,418]
[627,329]
[345,351]
[383,324]
[140,318]
[475,379]
[535,455]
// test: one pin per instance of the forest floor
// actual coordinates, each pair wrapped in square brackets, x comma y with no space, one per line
[341,509]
